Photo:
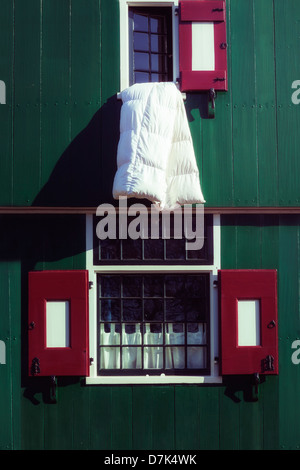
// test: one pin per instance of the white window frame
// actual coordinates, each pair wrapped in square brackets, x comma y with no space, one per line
[94,270]
[124,39]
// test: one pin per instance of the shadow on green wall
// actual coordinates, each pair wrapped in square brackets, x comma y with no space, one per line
[40,242]
[83,175]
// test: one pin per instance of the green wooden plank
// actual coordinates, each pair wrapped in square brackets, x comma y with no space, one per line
[6,441]
[266,102]
[55,92]
[59,417]
[244,100]
[163,418]
[210,429]
[27,162]
[289,330]
[270,388]
[15,325]
[100,418]
[217,184]
[287,17]
[10,371]
[229,402]
[121,417]
[109,114]
[142,418]
[32,419]
[193,105]
[217,166]
[110,49]
[187,418]
[6,110]
[81,409]
[251,425]
[81,159]
[86,62]
[249,242]
[228,242]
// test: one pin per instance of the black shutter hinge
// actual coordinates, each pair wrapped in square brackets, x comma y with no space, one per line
[35,366]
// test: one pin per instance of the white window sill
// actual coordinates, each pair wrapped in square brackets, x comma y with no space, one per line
[150,379]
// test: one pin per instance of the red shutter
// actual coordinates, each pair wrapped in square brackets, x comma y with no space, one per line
[59,286]
[195,11]
[249,285]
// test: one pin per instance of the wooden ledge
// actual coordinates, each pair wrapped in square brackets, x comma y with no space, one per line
[92,210]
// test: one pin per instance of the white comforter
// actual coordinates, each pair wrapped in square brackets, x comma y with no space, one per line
[156,158]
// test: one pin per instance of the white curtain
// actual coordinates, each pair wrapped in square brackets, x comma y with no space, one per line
[110,339]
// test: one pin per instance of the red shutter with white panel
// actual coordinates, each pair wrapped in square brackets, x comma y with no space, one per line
[58,323]
[248,311]
[202,45]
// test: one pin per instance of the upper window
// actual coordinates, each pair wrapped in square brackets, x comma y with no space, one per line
[148,41]
[150,45]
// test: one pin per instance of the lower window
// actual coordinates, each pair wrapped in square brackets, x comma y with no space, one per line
[153,305]
[153,323]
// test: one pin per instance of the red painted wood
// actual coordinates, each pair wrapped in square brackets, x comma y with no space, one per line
[202,10]
[58,285]
[237,285]
[202,81]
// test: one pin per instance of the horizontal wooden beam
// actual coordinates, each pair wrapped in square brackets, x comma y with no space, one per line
[92,210]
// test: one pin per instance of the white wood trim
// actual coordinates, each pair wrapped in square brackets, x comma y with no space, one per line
[124,53]
[156,379]
[93,270]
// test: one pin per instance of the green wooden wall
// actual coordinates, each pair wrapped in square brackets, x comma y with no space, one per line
[59,129]
[58,137]
[146,417]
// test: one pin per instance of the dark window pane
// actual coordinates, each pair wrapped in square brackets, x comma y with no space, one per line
[153,286]
[175,249]
[132,310]
[141,42]
[154,249]
[195,309]
[157,25]
[195,286]
[153,310]
[158,43]
[132,249]
[174,286]
[109,249]
[158,63]
[196,357]
[158,77]
[132,286]
[141,61]
[141,77]
[110,286]
[174,310]
[140,22]
[197,254]
[110,310]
